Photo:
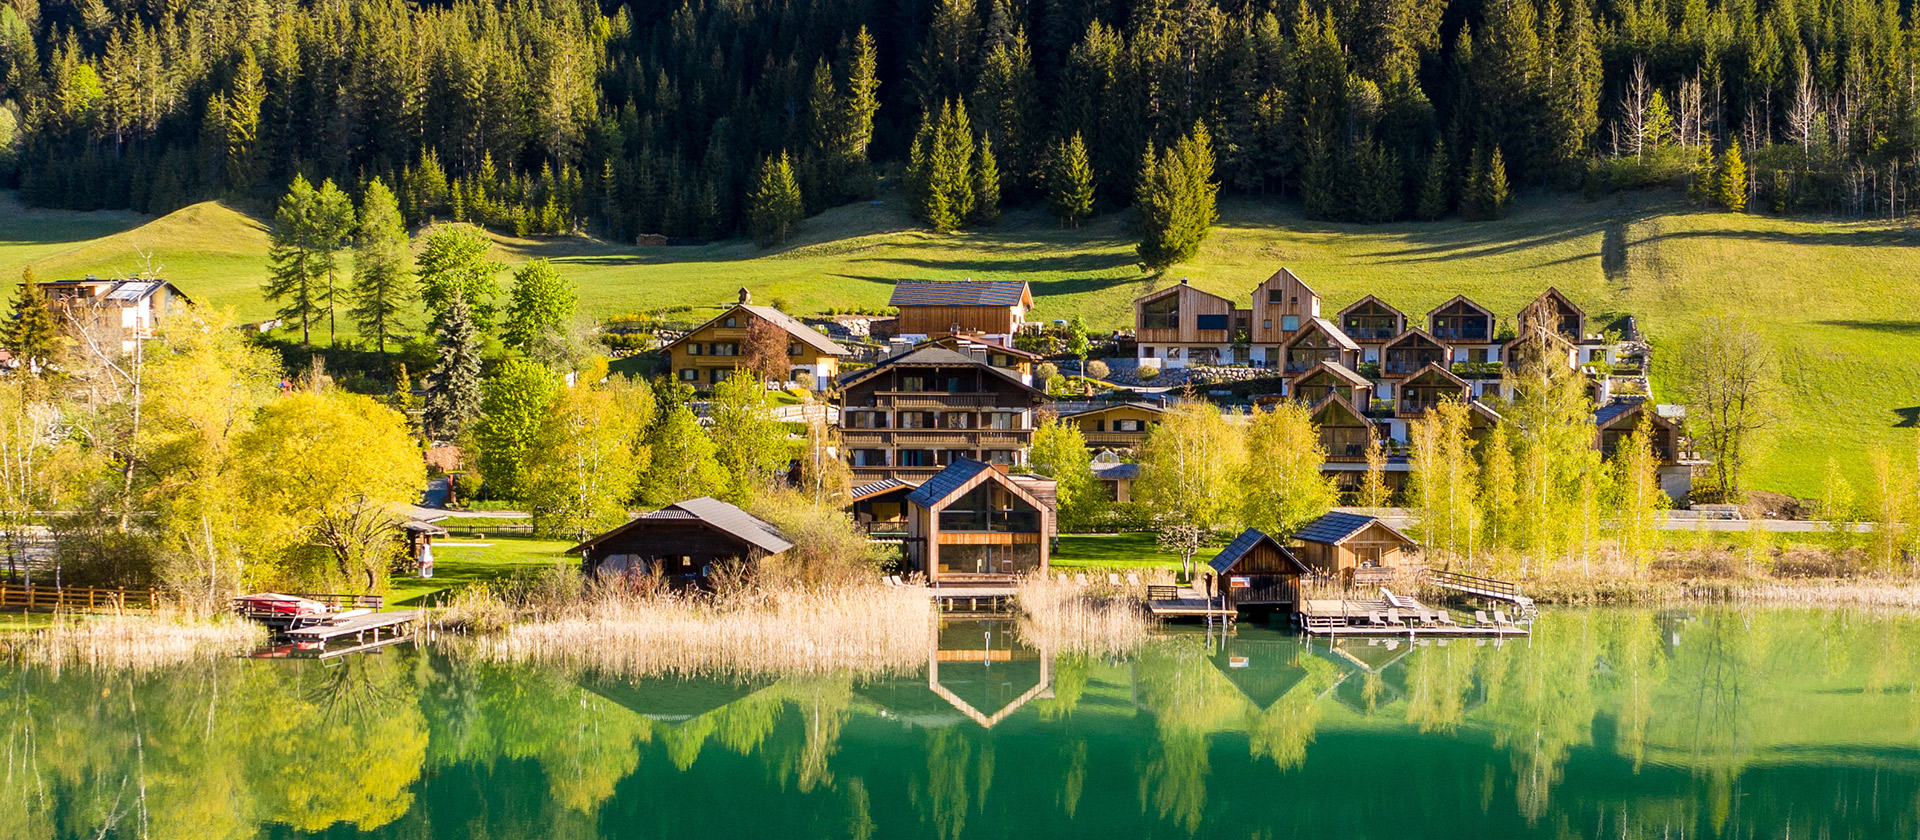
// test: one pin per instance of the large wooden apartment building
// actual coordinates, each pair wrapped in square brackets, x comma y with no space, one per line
[715,350]
[912,415]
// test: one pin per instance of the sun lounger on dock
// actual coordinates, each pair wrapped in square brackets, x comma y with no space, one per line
[1113,579]
[1480,618]
[1080,579]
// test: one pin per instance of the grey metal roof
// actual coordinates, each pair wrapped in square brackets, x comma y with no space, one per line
[1334,527]
[1244,543]
[801,331]
[1334,332]
[958,293]
[1075,409]
[1611,411]
[735,521]
[875,488]
[947,482]
[932,357]
[1113,472]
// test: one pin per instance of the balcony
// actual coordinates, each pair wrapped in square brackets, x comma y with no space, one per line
[991,521]
[1477,370]
[1417,406]
[1407,366]
[939,399]
[1461,334]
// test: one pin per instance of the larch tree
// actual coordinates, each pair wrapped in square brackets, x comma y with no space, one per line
[588,459]
[1188,469]
[1730,385]
[1070,182]
[1441,481]
[749,445]
[382,285]
[513,404]
[453,263]
[1499,489]
[296,272]
[1840,507]
[1559,471]
[1059,451]
[454,392]
[1730,189]
[1374,492]
[540,308]
[1283,485]
[329,228]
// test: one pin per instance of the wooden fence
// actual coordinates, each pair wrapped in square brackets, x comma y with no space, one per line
[76,598]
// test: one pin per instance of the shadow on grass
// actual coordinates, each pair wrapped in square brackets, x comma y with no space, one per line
[1885,326]
[1909,417]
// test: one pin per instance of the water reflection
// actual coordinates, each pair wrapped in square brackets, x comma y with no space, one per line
[1625,723]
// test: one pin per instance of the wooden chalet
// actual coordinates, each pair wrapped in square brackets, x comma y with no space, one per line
[1460,320]
[993,350]
[1118,425]
[1255,570]
[127,310]
[686,542]
[1328,378]
[1354,548]
[1182,325]
[1424,390]
[1614,422]
[1317,342]
[715,350]
[971,522]
[1116,477]
[1371,320]
[880,507]
[1282,305]
[1344,428]
[1557,312]
[945,307]
[1412,350]
[913,415]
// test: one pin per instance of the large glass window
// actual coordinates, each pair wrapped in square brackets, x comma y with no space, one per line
[1289,323]
[1162,314]
[1210,322]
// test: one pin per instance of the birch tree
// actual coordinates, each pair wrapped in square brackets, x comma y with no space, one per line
[1638,503]
[1728,380]
[1282,486]
[1187,471]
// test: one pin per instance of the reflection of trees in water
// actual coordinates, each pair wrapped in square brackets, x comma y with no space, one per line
[943,798]
[1074,781]
[1070,672]
[1541,704]
[1439,681]
[1283,731]
[1635,667]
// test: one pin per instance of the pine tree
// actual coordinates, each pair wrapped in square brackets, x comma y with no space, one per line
[381,287]
[31,329]
[1433,187]
[241,113]
[986,184]
[1070,182]
[1493,187]
[453,400]
[1703,189]
[1731,190]
[295,275]
[863,95]
[1175,200]
[949,167]
[776,205]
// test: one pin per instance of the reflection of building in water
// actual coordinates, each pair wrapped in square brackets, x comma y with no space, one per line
[672,699]
[1374,670]
[976,671]
[1264,670]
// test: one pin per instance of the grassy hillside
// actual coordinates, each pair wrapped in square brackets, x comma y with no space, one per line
[1835,298]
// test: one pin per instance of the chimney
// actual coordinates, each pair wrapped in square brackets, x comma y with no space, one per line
[1183,281]
[745,296]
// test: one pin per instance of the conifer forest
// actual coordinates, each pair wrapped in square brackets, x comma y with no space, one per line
[664,117]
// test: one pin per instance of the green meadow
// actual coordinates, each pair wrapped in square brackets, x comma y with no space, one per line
[1835,299]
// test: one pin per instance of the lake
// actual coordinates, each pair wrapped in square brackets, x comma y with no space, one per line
[1679,723]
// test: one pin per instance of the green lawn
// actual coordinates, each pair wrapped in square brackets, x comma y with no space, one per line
[21,622]
[456,566]
[1831,297]
[1116,551]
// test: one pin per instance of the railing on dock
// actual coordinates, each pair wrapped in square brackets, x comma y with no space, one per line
[76,598]
[1471,585]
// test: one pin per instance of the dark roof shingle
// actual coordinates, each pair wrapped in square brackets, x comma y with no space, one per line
[1333,527]
[947,482]
[958,293]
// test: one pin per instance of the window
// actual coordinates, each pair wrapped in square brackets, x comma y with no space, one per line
[1275,297]
[953,420]
[1126,425]
[793,348]
[866,419]
[1000,456]
[1210,322]
[914,420]
[953,384]
[1162,314]
[721,374]
[1148,352]
[913,383]
[695,348]
[720,349]
[732,321]
[870,457]
[1289,323]
[1002,419]
[1267,324]
[689,374]
[916,458]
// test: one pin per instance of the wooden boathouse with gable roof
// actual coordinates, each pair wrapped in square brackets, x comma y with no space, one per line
[686,542]
[1255,570]
[973,522]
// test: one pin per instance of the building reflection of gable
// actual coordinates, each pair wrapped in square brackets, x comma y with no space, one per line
[975,671]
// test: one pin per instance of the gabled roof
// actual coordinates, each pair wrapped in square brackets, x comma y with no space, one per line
[1435,367]
[1246,542]
[121,291]
[1338,370]
[1287,274]
[1460,299]
[1338,400]
[1484,411]
[933,357]
[1176,288]
[1335,527]
[958,341]
[1612,413]
[714,513]
[1413,332]
[1371,299]
[882,487]
[961,293]
[1333,331]
[1067,410]
[947,483]
[791,325]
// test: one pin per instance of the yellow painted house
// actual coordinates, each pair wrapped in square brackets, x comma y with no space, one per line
[711,352]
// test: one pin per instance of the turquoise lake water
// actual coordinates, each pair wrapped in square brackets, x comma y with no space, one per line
[1704,722]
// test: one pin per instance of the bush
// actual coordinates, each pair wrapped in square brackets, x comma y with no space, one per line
[467,486]
[805,380]
[1097,369]
[1149,372]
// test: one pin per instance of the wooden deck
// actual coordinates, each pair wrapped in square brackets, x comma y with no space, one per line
[1359,618]
[361,628]
[1187,602]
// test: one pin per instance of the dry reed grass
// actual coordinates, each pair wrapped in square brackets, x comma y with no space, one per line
[1860,593]
[1064,617]
[867,629]
[136,642]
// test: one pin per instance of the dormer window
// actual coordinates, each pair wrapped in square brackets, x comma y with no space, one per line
[732,321]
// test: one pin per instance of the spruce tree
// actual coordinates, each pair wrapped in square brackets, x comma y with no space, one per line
[381,287]
[1703,189]
[863,96]
[1070,182]
[31,328]
[1495,192]
[776,205]
[1175,200]
[1731,191]
[1433,188]
[453,399]
[950,170]
[241,113]
[986,184]
[295,275]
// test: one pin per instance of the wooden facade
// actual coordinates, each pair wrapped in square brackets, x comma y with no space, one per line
[1423,391]
[972,521]
[1558,312]
[126,310]
[715,350]
[1353,547]
[1282,305]
[1122,426]
[1320,341]
[911,416]
[1411,352]
[1255,570]
[991,351]
[687,543]
[935,308]
[1461,321]
[1326,379]
[1182,315]
[1371,320]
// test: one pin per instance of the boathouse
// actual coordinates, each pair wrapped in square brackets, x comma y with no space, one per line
[1356,548]
[685,542]
[1255,570]
[971,520]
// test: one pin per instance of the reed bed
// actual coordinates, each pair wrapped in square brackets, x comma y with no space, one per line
[865,629]
[138,643]
[1850,593]
[1066,617]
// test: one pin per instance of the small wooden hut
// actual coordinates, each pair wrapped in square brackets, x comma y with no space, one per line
[1358,549]
[686,542]
[1255,570]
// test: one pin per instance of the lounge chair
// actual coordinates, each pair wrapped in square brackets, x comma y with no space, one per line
[1393,617]
[1113,580]
[1480,618]
[1080,579]
[1062,576]
[1133,579]
[1500,619]
[1443,617]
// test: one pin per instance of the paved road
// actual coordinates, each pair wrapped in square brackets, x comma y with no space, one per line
[1399,518]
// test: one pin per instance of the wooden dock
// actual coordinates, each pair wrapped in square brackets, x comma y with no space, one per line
[1365,618]
[392,626]
[1186,602]
[1486,589]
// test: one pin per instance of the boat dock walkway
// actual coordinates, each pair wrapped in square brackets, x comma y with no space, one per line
[391,626]
[1188,602]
